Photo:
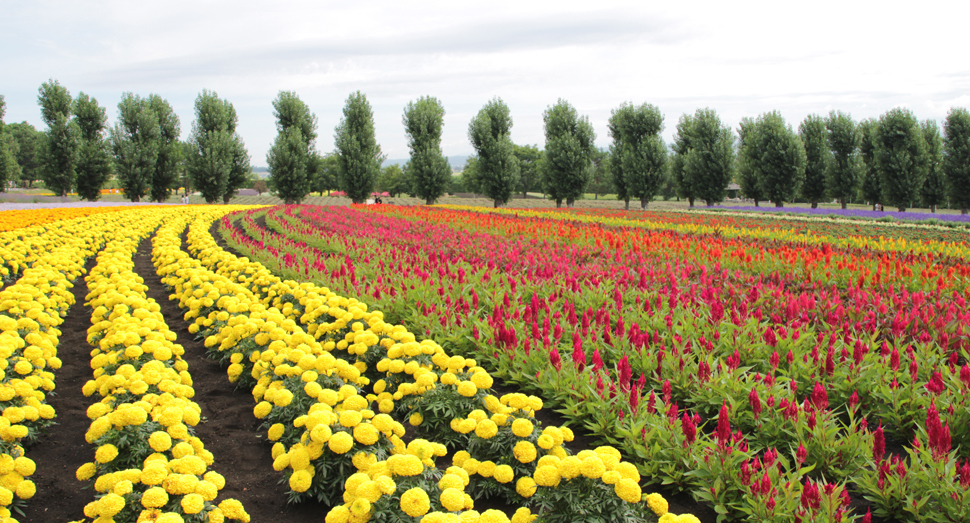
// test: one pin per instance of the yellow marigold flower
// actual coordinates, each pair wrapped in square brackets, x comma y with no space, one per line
[570,467]
[486,468]
[123,487]
[452,499]
[369,490]
[523,515]
[503,474]
[350,418]
[275,432]
[593,467]
[301,480]
[321,433]
[522,427]
[24,466]
[546,476]
[416,419]
[386,485]
[106,453]
[451,481]
[628,490]
[6,498]
[493,516]
[25,489]
[86,471]
[415,502]
[657,503]
[192,504]
[262,409]
[687,518]
[524,451]
[233,509]
[366,434]
[155,497]
[338,514]
[160,441]
[299,457]
[611,477]
[546,442]
[467,425]
[341,442]
[363,461]
[482,380]
[486,429]
[360,508]
[471,466]
[467,389]
[110,504]
[154,474]
[459,457]
[407,465]
[460,472]
[628,470]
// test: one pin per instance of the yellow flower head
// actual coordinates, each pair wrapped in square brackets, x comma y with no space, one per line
[415,502]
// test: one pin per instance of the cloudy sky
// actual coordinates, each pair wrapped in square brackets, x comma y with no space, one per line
[740,58]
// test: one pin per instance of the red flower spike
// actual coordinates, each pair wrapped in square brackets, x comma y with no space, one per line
[723,431]
[867,518]
[555,359]
[935,385]
[878,445]
[820,397]
[689,429]
[853,400]
[801,454]
[755,402]
[597,360]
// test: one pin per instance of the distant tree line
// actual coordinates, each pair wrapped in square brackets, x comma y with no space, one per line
[895,160]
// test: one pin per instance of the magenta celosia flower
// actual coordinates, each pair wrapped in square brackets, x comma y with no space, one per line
[723,432]
[689,429]
[936,385]
[878,445]
[555,359]
[755,402]
[820,397]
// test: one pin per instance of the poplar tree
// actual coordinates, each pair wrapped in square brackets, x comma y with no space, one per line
[428,170]
[496,171]
[94,164]
[60,144]
[293,160]
[134,143]
[217,161]
[9,169]
[818,157]
[568,153]
[747,174]
[639,148]
[359,153]
[871,184]
[843,137]
[169,160]
[900,157]
[933,192]
[956,157]
[704,160]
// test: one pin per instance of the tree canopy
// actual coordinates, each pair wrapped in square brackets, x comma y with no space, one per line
[360,155]
[60,145]
[428,171]
[94,165]
[135,141]
[704,161]
[169,160]
[639,149]
[217,161]
[956,157]
[293,160]
[900,157]
[933,191]
[776,156]
[844,174]
[871,184]
[818,158]
[569,153]
[496,168]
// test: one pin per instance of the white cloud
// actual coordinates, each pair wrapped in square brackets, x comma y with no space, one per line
[740,58]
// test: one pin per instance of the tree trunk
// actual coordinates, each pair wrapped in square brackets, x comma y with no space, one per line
[596,196]
[933,208]
[289,201]
[429,201]
[780,203]
[963,210]
[709,203]
[873,206]
[844,204]
[497,203]
[626,204]
[558,202]
[690,202]
[643,203]
[901,209]
[570,202]
[814,205]
[756,203]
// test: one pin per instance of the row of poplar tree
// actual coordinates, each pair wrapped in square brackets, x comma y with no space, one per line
[895,160]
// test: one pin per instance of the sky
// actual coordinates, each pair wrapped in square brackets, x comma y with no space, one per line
[740,58]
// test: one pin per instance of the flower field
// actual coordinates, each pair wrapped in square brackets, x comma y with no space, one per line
[773,370]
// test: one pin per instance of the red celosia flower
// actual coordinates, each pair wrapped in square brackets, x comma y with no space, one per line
[820,397]
[878,445]
[689,429]
[597,360]
[755,402]
[936,385]
[555,359]
[801,454]
[723,432]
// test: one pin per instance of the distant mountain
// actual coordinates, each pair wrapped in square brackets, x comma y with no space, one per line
[457,162]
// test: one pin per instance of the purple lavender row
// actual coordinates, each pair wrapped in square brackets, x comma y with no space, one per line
[857,213]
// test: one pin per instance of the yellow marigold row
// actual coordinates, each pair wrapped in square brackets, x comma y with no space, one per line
[22,218]
[148,462]
[31,309]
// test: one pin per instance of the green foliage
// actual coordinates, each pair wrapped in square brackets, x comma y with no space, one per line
[638,147]
[60,150]
[843,136]
[776,156]
[496,171]
[900,157]
[9,169]
[326,173]
[216,161]
[933,192]
[360,155]
[703,162]
[395,180]
[428,170]
[293,159]
[956,150]
[27,148]
[818,158]
[747,175]
[135,140]
[94,156]
[601,179]
[569,153]
[169,160]
[871,183]
[530,158]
